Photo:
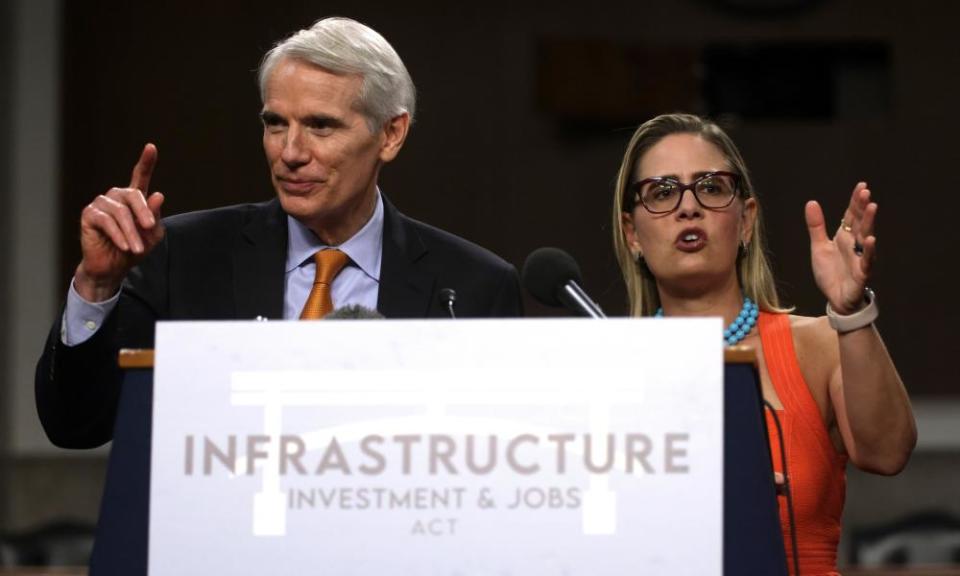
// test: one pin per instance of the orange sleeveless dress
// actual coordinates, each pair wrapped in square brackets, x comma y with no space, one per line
[817,471]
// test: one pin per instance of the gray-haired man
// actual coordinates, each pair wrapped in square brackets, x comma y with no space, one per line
[338,104]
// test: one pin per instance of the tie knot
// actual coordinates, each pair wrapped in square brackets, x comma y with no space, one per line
[329,264]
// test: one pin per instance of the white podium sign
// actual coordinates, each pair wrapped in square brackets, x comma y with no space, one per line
[513,447]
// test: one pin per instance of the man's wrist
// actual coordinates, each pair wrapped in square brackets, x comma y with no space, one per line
[82,318]
[94,290]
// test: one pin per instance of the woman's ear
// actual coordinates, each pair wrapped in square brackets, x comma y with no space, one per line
[749,218]
[630,235]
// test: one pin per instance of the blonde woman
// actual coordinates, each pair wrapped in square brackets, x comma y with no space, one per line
[688,234]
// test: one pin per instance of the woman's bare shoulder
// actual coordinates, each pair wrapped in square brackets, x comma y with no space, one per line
[816,343]
[810,326]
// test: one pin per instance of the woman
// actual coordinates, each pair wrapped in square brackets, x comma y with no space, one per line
[702,253]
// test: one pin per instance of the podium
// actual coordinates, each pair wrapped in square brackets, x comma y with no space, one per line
[752,541]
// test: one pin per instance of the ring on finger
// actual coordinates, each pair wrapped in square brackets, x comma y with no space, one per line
[846,227]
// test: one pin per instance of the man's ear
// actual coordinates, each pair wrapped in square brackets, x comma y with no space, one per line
[394,133]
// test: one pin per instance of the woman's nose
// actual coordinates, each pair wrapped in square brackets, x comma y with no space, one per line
[689,205]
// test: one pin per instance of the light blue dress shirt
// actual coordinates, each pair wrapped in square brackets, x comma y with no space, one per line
[357,283]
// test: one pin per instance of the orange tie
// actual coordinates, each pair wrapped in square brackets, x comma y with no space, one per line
[319,303]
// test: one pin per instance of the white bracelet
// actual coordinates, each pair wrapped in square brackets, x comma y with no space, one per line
[859,319]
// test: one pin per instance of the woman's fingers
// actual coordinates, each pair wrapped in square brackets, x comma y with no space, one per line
[816,224]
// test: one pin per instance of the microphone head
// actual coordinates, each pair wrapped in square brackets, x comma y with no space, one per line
[545,273]
[448,296]
[354,312]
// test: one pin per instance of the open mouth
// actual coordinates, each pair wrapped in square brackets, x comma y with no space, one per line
[691,240]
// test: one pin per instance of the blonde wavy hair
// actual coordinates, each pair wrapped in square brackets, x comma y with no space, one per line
[753,266]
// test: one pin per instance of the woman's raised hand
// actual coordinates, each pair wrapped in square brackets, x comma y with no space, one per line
[842,264]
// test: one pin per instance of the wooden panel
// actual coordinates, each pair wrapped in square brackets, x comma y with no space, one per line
[140,358]
[135,358]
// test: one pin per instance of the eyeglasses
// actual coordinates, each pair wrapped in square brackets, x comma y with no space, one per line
[661,194]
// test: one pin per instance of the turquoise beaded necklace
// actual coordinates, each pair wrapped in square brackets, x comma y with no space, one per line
[741,325]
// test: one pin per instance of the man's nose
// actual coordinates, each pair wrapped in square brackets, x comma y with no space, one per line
[294,152]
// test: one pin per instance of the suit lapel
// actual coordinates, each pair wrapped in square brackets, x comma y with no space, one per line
[258,263]
[405,286]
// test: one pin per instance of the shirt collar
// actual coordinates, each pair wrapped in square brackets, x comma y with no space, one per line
[363,248]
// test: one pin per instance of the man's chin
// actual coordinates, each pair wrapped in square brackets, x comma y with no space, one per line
[297,205]
[307,211]
[324,214]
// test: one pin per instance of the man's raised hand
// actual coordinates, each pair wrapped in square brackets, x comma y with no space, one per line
[117,230]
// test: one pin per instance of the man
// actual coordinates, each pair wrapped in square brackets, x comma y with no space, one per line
[337,105]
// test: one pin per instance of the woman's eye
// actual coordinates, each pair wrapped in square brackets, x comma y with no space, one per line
[664,190]
[710,187]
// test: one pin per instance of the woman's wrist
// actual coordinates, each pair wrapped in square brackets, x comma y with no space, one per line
[862,318]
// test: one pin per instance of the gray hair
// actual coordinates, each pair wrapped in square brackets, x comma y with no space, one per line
[345,46]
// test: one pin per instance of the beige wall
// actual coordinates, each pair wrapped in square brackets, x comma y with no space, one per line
[30,217]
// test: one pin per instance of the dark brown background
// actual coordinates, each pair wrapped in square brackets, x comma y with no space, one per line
[524,113]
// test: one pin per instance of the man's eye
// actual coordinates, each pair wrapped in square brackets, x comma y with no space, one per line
[321,125]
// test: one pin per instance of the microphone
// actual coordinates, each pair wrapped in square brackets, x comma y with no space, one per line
[553,278]
[354,312]
[448,297]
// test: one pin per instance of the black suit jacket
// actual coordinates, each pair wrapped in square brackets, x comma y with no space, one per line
[228,263]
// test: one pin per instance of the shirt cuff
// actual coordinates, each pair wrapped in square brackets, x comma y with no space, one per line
[81,319]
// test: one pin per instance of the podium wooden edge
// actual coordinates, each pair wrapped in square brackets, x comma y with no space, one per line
[133,358]
[137,358]
[741,355]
